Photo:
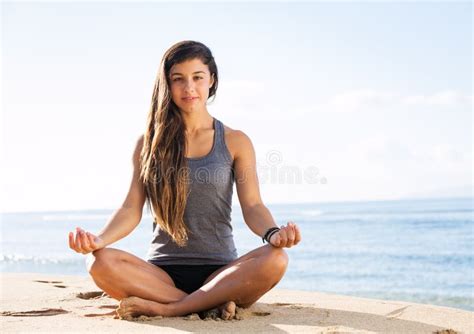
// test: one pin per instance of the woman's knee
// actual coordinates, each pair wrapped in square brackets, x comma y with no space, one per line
[276,260]
[101,259]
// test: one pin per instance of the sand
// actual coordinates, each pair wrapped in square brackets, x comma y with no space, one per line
[56,303]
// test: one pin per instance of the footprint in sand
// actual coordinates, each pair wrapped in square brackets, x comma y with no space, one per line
[35,313]
[100,314]
[261,314]
[113,307]
[101,307]
[96,295]
[396,313]
[293,306]
[91,294]
[52,282]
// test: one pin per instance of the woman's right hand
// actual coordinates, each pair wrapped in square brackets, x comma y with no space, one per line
[84,242]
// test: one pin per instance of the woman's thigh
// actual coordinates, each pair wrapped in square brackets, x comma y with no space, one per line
[260,251]
[110,256]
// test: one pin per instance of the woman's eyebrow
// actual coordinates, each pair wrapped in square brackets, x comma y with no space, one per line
[193,73]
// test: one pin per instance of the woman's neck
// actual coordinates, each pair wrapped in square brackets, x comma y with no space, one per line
[197,121]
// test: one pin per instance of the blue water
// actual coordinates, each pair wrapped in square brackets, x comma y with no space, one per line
[411,250]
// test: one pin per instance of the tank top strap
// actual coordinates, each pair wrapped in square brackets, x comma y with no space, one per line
[219,128]
[221,147]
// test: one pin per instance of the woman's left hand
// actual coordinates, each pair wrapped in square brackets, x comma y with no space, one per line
[288,236]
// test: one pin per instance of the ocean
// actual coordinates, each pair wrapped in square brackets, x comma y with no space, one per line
[417,250]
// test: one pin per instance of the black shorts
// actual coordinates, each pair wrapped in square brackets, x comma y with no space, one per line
[189,278]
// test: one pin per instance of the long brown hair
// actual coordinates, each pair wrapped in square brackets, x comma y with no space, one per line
[163,167]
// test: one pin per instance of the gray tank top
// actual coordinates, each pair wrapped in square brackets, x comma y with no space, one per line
[207,214]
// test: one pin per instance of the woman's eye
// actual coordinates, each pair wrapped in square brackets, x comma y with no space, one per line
[176,79]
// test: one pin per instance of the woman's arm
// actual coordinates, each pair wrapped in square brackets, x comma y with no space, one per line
[123,220]
[256,214]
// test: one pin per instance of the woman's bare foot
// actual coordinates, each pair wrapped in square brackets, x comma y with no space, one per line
[134,306]
[227,310]
[131,307]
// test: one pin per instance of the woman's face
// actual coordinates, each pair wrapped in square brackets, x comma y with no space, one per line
[189,83]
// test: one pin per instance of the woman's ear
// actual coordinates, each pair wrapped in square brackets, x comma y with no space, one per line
[212,80]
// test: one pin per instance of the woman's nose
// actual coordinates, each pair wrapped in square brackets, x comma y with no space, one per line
[189,86]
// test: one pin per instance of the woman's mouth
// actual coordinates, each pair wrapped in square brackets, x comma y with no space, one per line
[189,99]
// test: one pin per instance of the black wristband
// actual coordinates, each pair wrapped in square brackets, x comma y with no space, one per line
[269,233]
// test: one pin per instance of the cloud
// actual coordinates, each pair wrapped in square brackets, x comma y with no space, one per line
[357,100]
[449,154]
[445,98]
[388,150]
[369,99]
[260,100]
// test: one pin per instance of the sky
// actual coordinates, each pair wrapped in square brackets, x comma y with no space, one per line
[343,101]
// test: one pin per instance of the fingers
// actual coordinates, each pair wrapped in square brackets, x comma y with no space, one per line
[291,234]
[280,239]
[71,240]
[283,236]
[86,245]
[275,239]
[77,241]
[297,234]
[82,242]
[288,236]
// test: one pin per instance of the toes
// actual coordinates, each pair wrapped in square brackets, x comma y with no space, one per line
[228,311]
[121,311]
[226,315]
[127,317]
[123,315]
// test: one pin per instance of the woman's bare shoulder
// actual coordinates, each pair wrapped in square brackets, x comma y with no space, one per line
[236,140]
[234,134]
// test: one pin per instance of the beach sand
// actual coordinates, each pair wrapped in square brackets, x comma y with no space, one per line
[56,303]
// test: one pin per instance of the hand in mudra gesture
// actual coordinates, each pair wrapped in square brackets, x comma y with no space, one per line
[84,242]
[288,236]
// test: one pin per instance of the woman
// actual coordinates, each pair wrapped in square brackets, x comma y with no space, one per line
[184,168]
